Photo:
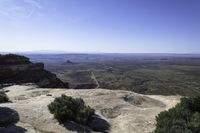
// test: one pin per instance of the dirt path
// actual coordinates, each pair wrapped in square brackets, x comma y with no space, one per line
[95,79]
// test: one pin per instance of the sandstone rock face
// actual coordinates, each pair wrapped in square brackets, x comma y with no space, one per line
[113,110]
[18,69]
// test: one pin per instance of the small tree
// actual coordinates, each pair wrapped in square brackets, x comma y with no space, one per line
[183,118]
[67,108]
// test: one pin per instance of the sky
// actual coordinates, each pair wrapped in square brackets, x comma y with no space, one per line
[110,26]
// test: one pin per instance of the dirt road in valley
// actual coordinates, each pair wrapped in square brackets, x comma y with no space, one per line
[95,80]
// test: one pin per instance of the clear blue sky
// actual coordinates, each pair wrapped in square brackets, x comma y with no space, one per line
[130,26]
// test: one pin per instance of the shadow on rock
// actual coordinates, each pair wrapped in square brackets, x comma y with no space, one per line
[70,125]
[12,129]
[8,119]
[96,123]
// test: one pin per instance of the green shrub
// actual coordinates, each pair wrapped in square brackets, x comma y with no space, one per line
[67,108]
[3,97]
[183,118]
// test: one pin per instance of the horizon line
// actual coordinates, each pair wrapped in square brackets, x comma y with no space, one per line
[71,52]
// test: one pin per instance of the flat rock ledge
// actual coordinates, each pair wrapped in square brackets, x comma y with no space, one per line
[125,111]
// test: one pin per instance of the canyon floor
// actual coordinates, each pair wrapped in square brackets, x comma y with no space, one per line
[125,111]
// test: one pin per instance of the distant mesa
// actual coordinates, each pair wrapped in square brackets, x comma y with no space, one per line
[16,69]
[68,62]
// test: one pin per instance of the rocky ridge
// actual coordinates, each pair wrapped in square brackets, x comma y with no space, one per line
[16,69]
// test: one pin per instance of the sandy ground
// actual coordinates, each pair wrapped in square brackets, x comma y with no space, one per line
[127,112]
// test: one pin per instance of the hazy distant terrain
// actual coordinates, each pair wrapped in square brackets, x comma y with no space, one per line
[165,74]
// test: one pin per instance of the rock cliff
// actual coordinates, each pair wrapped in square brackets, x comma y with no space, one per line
[15,69]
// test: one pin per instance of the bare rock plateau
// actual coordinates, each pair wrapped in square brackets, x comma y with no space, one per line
[125,111]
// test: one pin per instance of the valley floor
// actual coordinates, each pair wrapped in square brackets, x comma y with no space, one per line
[125,111]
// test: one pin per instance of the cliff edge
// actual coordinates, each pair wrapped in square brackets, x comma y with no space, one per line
[16,69]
